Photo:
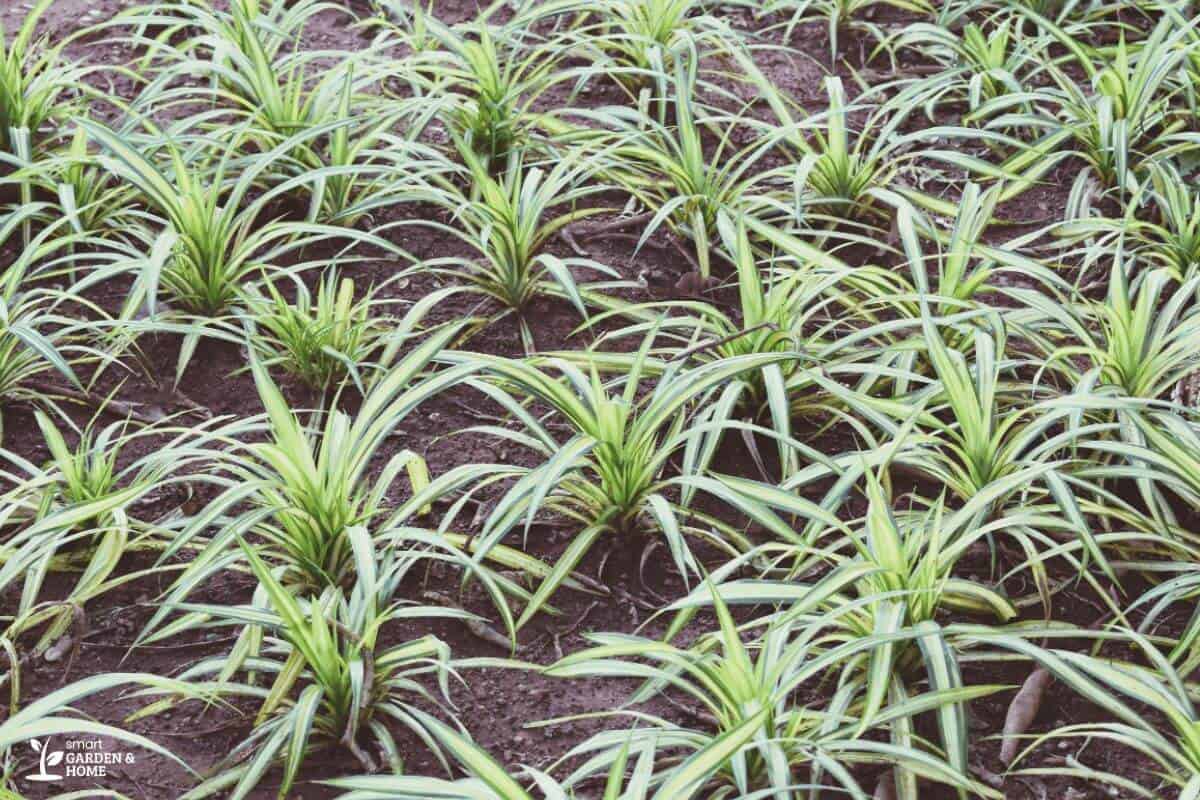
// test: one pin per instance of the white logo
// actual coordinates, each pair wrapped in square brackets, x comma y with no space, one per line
[79,758]
[48,759]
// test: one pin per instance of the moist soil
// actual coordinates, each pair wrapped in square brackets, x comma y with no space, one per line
[502,708]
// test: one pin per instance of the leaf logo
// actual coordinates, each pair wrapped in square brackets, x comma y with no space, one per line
[47,758]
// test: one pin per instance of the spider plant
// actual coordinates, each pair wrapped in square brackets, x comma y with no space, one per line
[785,304]
[841,16]
[967,266]
[408,21]
[1127,353]
[321,340]
[277,97]
[610,476]
[37,335]
[272,22]
[508,220]
[1118,125]
[767,742]
[872,620]
[843,177]
[843,173]
[489,86]
[1155,449]
[217,242]
[242,50]
[82,512]
[1062,10]
[1136,341]
[488,780]
[273,89]
[1008,462]
[36,87]
[1160,225]
[1180,585]
[303,488]
[632,41]
[332,682]
[357,162]
[25,352]
[88,196]
[978,64]
[984,438]
[661,159]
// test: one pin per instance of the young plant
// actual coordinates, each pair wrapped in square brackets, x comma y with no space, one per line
[487,86]
[760,741]
[356,165]
[1008,463]
[258,84]
[1157,451]
[797,304]
[661,158]
[978,63]
[610,476]
[36,88]
[273,89]
[487,780]
[333,683]
[37,335]
[243,50]
[872,621]
[979,438]
[305,487]
[1120,124]
[966,265]
[81,512]
[844,176]
[90,197]
[321,340]
[25,352]
[633,41]
[508,220]
[1136,342]
[214,237]
[1160,225]
[841,16]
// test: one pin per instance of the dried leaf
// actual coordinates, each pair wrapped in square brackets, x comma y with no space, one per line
[59,649]
[1023,711]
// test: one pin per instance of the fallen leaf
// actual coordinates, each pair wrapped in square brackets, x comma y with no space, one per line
[1023,711]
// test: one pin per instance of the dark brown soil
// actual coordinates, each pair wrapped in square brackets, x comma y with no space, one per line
[500,705]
